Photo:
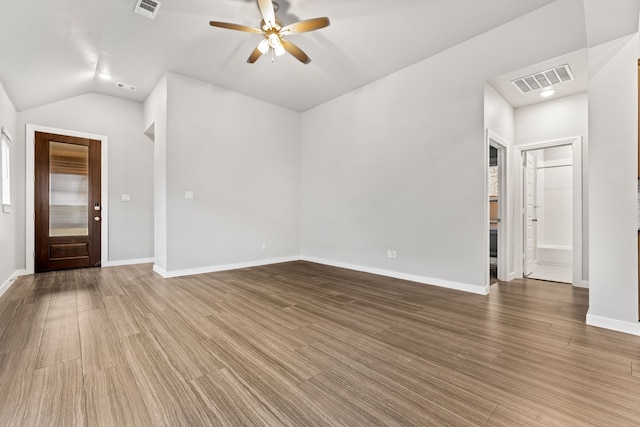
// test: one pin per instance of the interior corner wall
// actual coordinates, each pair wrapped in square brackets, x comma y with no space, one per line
[240,159]
[155,117]
[499,115]
[558,119]
[130,165]
[400,163]
[9,238]
[613,205]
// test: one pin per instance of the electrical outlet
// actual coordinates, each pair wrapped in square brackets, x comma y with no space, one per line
[126,198]
[264,246]
[394,254]
[188,195]
[389,253]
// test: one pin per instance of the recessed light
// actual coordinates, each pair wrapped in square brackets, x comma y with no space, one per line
[547,93]
[105,76]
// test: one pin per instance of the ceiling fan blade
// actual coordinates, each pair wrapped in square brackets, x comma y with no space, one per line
[255,55]
[295,51]
[304,26]
[237,27]
[268,13]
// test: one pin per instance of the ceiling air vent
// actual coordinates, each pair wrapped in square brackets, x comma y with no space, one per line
[126,86]
[147,8]
[543,79]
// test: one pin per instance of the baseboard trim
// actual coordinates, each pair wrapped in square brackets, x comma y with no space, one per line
[480,290]
[465,287]
[613,324]
[582,284]
[224,267]
[6,285]
[11,280]
[128,262]
[160,271]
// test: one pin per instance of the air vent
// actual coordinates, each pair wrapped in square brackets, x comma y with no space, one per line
[543,79]
[126,86]
[147,8]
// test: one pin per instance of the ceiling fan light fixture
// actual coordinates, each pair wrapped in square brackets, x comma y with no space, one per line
[273,31]
[274,40]
[263,47]
[279,50]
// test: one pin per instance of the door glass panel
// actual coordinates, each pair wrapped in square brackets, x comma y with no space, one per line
[68,189]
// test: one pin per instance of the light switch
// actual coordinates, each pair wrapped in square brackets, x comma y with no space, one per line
[188,194]
[126,198]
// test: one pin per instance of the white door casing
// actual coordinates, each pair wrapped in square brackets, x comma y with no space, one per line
[506,267]
[577,203]
[530,244]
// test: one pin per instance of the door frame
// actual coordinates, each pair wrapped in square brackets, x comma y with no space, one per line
[525,213]
[30,190]
[577,203]
[504,249]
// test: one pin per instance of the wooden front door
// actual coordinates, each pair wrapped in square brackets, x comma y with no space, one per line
[67,202]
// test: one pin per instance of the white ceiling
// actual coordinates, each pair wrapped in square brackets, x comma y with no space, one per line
[52,50]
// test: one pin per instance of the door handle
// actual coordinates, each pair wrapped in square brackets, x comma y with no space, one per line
[96,218]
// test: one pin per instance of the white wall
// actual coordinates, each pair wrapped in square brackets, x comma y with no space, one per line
[557,119]
[613,145]
[8,221]
[130,166]
[400,163]
[155,121]
[554,119]
[241,159]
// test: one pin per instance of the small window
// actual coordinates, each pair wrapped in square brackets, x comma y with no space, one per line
[5,137]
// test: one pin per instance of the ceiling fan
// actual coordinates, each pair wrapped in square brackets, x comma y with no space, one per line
[273,31]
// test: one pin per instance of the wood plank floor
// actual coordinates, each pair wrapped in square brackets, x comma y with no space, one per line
[300,344]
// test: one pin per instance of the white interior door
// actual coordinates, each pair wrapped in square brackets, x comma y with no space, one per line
[530,213]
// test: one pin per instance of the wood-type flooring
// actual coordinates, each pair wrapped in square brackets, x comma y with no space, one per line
[301,344]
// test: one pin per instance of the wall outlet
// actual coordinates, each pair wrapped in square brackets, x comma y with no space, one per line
[264,246]
[391,254]
[188,195]
[388,253]
[126,198]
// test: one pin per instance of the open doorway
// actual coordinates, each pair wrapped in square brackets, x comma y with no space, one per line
[498,206]
[494,218]
[551,201]
[548,187]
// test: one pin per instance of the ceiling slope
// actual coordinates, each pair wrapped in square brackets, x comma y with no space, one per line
[54,50]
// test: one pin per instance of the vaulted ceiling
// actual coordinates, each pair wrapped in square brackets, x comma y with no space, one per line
[53,50]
